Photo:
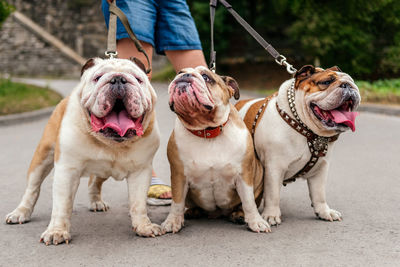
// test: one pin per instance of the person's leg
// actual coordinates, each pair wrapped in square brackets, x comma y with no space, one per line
[127,49]
[176,35]
[186,58]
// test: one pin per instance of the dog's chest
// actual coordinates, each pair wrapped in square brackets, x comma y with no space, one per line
[212,166]
[119,170]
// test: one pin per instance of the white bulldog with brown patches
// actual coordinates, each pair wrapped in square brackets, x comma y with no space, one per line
[214,169]
[294,132]
[106,127]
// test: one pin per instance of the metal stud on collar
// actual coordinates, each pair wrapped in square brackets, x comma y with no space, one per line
[292,106]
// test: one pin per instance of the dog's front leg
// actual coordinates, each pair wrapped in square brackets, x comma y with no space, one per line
[273,178]
[138,185]
[251,216]
[316,187]
[65,185]
[175,220]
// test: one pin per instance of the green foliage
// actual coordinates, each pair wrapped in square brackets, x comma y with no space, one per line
[362,37]
[382,86]
[19,97]
[5,10]
[166,74]
[201,14]
[359,36]
[380,91]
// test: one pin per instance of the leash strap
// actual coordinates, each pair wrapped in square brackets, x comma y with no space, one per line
[112,31]
[213,54]
[280,59]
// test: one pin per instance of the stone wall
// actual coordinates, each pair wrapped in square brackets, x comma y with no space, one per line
[77,23]
[24,54]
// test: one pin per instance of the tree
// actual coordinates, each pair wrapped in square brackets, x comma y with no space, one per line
[5,10]
[362,37]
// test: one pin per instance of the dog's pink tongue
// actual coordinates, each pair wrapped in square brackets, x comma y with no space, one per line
[120,123]
[345,117]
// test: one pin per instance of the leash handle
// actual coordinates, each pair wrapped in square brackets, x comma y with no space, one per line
[112,30]
[280,59]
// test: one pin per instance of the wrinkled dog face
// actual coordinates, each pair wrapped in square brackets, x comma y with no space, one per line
[200,97]
[326,99]
[117,95]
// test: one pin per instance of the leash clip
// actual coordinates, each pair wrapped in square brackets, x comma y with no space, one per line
[281,60]
[111,54]
[212,67]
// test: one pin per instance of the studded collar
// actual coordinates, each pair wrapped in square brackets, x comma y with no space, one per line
[318,145]
[210,132]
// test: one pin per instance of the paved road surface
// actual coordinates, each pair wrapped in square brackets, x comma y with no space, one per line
[364,184]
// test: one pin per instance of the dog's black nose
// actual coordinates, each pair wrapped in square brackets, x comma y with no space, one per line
[187,75]
[117,86]
[118,79]
[345,86]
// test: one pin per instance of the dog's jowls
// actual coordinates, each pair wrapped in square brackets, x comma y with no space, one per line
[325,101]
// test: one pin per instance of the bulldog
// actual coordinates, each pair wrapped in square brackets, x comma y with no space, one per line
[214,170]
[106,127]
[294,132]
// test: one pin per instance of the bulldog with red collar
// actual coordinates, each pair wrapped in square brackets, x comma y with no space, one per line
[214,169]
[106,127]
[294,132]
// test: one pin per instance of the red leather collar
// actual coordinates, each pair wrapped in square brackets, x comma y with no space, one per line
[210,132]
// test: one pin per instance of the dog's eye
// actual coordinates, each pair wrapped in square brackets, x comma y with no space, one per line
[327,82]
[97,78]
[206,78]
[139,80]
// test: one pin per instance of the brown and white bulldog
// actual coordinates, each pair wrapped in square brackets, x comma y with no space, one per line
[214,169]
[106,127]
[294,136]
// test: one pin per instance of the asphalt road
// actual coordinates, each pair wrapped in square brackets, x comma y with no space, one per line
[364,184]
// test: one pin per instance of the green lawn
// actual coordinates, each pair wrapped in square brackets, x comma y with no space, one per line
[381,91]
[19,97]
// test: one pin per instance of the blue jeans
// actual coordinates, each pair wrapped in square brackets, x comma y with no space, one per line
[165,24]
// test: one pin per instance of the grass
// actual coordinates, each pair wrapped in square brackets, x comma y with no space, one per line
[378,92]
[381,91]
[19,97]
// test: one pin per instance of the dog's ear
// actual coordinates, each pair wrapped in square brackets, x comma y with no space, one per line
[88,65]
[305,72]
[233,86]
[335,68]
[139,63]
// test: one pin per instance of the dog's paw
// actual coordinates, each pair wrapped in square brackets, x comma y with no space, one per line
[273,217]
[19,215]
[237,217]
[194,213]
[147,230]
[329,215]
[172,224]
[258,224]
[98,206]
[55,236]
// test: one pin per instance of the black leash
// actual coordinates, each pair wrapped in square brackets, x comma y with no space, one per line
[280,59]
